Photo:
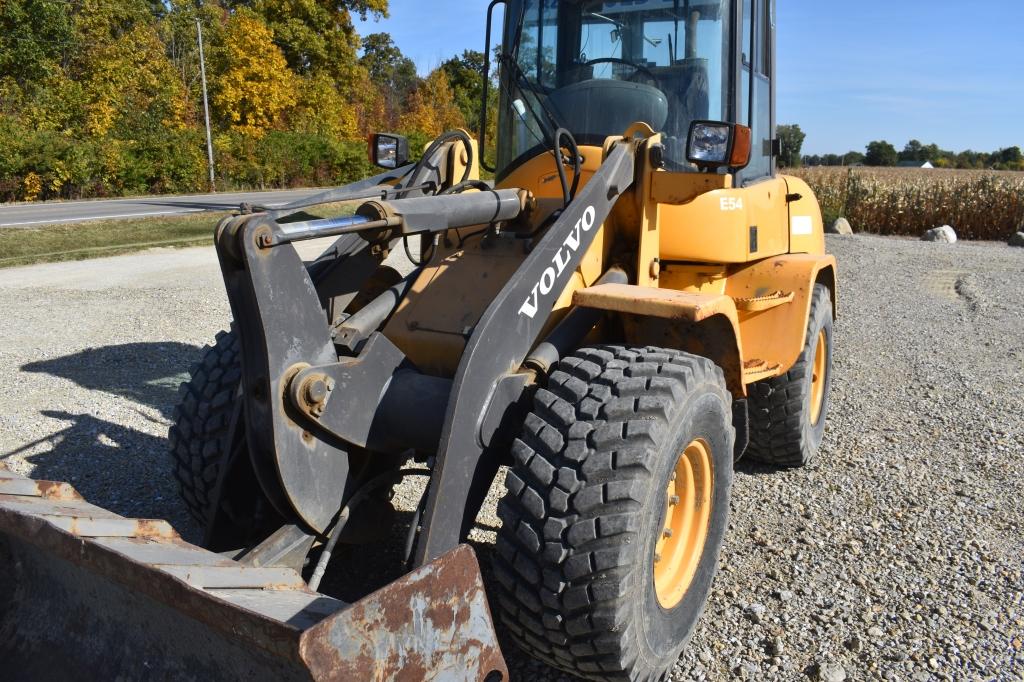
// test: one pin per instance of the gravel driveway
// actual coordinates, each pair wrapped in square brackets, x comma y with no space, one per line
[897,556]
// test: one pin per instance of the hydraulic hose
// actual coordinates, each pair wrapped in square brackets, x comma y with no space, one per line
[389,477]
[435,147]
[568,193]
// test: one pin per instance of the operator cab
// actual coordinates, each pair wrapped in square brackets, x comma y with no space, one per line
[594,67]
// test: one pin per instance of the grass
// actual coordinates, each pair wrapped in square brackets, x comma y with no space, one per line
[101,238]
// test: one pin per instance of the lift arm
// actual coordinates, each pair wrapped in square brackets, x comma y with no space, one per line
[488,383]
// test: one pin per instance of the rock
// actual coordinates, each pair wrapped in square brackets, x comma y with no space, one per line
[775,647]
[784,595]
[755,612]
[1017,239]
[840,226]
[875,632]
[944,234]
[831,672]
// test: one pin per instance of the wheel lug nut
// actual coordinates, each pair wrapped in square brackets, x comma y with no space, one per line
[668,532]
[674,500]
[657,558]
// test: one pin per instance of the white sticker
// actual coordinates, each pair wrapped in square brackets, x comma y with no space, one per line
[802,224]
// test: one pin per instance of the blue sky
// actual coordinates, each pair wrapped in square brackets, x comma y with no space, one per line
[944,71]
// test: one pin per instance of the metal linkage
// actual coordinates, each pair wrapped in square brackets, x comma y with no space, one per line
[411,216]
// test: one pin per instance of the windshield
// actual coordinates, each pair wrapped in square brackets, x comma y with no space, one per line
[597,67]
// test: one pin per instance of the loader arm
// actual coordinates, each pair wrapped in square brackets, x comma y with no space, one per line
[486,385]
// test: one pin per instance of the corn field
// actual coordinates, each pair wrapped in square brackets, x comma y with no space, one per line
[985,205]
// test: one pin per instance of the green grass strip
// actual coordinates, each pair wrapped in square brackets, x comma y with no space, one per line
[80,241]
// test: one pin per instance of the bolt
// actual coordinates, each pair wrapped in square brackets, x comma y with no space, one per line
[264,241]
[316,390]
[668,532]
[674,500]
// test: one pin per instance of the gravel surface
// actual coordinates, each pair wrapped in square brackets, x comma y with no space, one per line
[896,556]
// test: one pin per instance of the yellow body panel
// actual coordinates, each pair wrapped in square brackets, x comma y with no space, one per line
[435,319]
[717,226]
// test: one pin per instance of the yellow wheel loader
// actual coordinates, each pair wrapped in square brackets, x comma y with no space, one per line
[635,301]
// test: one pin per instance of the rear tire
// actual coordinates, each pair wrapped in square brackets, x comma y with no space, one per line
[589,498]
[788,412]
[199,437]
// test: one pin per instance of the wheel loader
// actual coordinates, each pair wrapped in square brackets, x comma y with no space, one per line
[633,302]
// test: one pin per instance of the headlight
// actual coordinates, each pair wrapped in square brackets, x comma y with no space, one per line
[713,144]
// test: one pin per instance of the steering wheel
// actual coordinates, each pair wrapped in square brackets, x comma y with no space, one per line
[615,60]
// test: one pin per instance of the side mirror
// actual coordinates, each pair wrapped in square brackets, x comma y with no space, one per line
[713,144]
[389,151]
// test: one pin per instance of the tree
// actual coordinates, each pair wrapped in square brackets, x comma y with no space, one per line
[914,151]
[466,76]
[432,108]
[852,158]
[881,153]
[792,139]
[1010,155]
[391,74]
[255,87]
[317,35]
[36,35]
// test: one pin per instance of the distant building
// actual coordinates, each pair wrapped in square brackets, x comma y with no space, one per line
[927,165]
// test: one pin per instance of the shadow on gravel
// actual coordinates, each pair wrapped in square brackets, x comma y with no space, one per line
[115,467]
[148,373]
[748,467]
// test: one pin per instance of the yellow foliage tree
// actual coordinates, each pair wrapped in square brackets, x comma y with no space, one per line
[130,76]
[432,109]
[255,89]
[321,109]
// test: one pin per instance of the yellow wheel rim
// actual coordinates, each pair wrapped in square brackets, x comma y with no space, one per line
[818,377]
[687,517]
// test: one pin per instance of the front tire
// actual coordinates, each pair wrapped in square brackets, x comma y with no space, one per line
[199,437]
[618,433]
[210,454]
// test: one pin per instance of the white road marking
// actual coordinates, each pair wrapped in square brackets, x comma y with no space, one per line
[151,214]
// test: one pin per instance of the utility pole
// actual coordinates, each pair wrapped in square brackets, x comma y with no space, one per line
[206,106]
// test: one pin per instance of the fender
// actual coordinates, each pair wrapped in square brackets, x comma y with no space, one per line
[704,324]
[774,335]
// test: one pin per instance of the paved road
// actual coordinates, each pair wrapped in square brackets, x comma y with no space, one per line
[56,212]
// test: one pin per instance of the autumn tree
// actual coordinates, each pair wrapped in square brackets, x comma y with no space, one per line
[317,36]
[255,88]
[432,108]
